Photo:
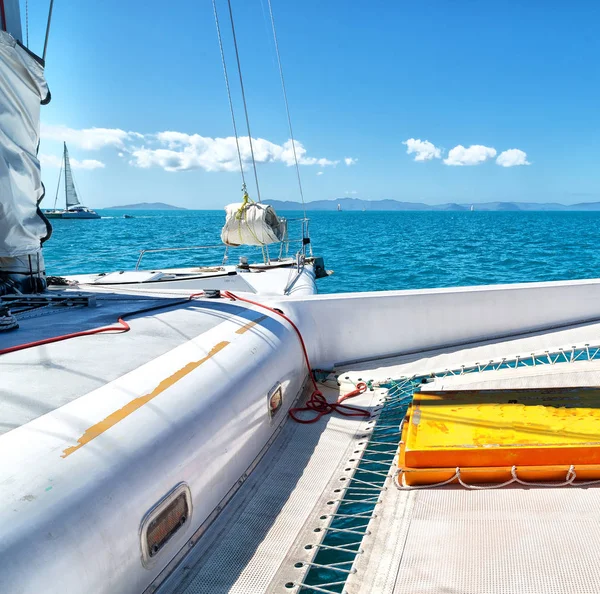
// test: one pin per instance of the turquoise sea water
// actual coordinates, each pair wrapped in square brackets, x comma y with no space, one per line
[367,250]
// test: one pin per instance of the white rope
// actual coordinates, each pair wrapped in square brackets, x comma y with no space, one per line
[569,481]
[237,142]
[237,57]
[287,107]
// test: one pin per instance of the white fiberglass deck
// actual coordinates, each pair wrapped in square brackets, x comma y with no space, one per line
[508,541]
[59,373]
[62,372]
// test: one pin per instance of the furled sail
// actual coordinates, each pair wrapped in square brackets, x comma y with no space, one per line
[22,229]
[251,223]
[70,191]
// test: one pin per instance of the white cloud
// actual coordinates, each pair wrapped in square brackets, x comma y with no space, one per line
[177,151]
[319,173]
[424,149]
[350,161]
[473,155]
[512,158]
[54,161]
[88,138]
[348,192]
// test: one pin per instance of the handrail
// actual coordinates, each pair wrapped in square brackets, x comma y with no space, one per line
[175,249]
[303,220]
[195,247]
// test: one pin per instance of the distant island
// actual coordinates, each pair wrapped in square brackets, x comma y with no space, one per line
[354,204]
[145,206]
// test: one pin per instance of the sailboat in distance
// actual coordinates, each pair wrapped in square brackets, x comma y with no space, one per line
[73,208]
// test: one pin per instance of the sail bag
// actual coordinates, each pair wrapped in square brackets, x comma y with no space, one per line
[22,89]
[251,223]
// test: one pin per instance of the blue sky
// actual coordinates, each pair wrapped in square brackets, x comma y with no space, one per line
[363,79]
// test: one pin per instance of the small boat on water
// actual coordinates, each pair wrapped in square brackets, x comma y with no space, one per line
[149,441]
[73,208]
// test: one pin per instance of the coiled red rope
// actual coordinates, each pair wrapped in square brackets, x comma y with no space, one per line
[317,403]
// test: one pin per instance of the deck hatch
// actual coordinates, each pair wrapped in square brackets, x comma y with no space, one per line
[167,518]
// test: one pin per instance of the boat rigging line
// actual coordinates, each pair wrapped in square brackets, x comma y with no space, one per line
[239,67]
[287,107]
[237,141]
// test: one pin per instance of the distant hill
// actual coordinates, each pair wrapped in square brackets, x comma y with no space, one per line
[145,206]
[354,204]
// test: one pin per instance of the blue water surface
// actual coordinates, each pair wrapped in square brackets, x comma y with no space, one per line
[367,250]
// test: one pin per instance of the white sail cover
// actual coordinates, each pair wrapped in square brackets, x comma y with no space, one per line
[251,223]
[22,89]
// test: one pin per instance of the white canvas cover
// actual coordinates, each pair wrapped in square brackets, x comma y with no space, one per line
[22,89]
[251,223]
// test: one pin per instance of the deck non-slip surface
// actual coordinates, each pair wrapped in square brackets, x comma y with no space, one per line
[253,546]
[447,540]
[38,380]
[513,540]
[508,541]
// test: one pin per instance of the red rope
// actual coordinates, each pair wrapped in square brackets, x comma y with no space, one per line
[121,329]
[317,403]
[124,327]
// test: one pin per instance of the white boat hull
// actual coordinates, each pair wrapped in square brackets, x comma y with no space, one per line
[80,215]
[197,415]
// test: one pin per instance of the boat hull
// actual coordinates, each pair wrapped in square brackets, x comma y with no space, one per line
[80,215]
[72,215]
[197,416]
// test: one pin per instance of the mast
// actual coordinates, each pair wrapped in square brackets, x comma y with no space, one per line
[65,160]
[58,185]
[10,18]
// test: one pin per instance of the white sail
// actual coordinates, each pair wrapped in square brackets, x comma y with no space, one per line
[70,191]
[22,90]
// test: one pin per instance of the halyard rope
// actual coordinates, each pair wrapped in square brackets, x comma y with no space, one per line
[287,107]
[239,67]
[235,132]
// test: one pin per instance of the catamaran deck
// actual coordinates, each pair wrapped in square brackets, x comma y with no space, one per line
[60,373]
[321,512]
